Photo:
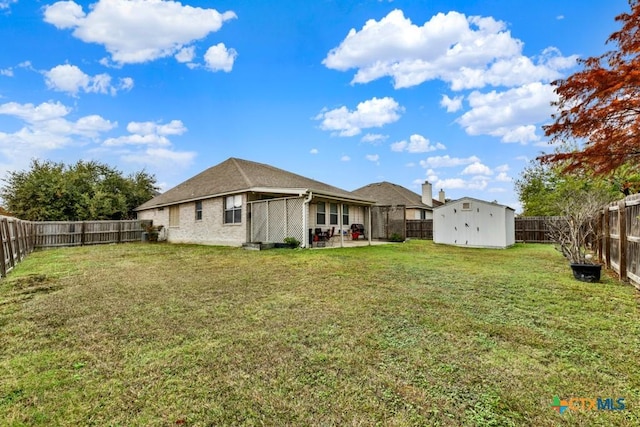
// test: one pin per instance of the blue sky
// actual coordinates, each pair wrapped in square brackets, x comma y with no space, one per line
[345,92]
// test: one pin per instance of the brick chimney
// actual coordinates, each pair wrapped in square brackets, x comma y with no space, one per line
[427,196]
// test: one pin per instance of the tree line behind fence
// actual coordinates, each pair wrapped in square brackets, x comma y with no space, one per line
[18,238]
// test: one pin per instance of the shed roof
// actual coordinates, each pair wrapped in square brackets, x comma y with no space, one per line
[387,193]
[237,175]
[462,199]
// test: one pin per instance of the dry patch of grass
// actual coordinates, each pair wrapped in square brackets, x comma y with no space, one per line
[407,334]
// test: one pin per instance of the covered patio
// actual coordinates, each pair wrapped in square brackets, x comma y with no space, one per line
[314,219]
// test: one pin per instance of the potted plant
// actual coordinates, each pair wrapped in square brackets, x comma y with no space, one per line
[574,231]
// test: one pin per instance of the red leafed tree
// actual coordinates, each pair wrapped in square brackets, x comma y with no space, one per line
[600,106]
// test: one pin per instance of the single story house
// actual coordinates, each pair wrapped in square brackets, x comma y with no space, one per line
[417,206]
[240,201]
[474,223]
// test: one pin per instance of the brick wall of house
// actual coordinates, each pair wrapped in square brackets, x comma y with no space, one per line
[210,230]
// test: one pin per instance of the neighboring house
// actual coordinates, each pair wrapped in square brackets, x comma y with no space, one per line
[475,223]
[240,201]
[417,206]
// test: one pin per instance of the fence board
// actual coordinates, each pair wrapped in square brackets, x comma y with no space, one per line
[420,229]
[620,238]
[533,229]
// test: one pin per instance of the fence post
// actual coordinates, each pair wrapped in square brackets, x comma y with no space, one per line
[622,226]
[82,237]
[3,258]
[607,237]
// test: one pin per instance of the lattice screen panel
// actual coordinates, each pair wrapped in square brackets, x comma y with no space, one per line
[273,220]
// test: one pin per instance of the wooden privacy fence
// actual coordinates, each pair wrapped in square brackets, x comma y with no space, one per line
[420,229]
[618,243]
[80,233]
[19,238]
[16,242]
[533,229]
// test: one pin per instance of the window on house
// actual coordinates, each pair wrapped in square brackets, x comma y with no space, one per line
[233,209]
[333,213]
[466,206]
[345,214]
[174,216]
[198,211]
[321,214]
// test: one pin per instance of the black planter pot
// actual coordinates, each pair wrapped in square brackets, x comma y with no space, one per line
[587,272]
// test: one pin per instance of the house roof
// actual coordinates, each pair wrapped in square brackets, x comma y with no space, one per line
[237,175]
[387,193]
[462,199]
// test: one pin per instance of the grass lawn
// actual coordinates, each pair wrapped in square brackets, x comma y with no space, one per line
[394,335]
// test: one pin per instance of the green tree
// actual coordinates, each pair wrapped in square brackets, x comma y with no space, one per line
[83,191]
[542,187]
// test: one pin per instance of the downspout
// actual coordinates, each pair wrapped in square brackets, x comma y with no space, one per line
[305,217]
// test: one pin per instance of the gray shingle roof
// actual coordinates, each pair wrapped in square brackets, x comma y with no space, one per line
[387,193]
[237,175]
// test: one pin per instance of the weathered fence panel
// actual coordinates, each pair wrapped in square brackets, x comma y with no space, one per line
[53,234]
[420,229]
[533,229]
[619,238]
[16,242]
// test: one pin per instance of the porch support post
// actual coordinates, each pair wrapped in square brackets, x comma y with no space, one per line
[341,205]
[370,228]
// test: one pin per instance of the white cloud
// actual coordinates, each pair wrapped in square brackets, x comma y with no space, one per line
[218,58]
[375,112]
[345,159]
[502,168]
[372,157]
[186,54]
[452,105]
[461,184]
[71,79]
[466,52]
[313,151]
[374,138]
[45,128]
[161,158]
[7,72]
[447,161]
[137,31]
[502,114]
[503,177]
[477,168]
[417,144]
[33,114]
[5,4]
[148,133]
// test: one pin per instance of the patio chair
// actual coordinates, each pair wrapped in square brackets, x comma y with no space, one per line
[357,230]
[320,237]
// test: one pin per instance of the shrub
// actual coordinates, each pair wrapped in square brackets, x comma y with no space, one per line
[395,237]
[292,242]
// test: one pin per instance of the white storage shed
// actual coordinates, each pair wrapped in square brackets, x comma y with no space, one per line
[474,223]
